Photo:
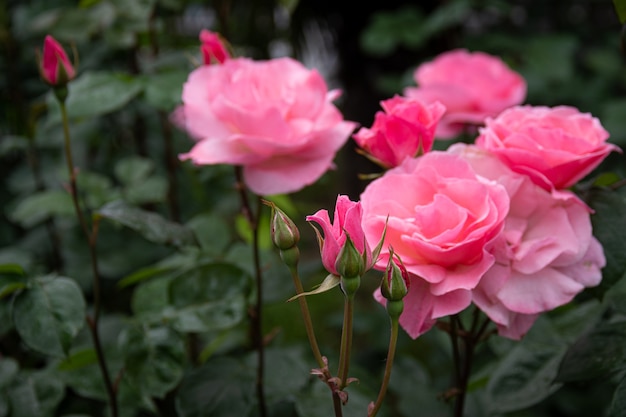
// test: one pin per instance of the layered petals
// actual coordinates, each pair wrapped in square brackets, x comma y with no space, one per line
[471,85]
[554,146]
[284,131]
[545,255]
[441,220]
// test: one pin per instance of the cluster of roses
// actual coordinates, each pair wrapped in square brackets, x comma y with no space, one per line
[492,223]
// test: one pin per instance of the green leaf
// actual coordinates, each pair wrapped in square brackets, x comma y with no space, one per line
[11,143]
[163,91]
[289,372]
[86,380]
[8,371]
[11,279]
[36,394]
[524,377]
[608,225]
[151,190]
[330,282]
[414,388]
[150,299]
[42,205]
[596,354]
[11,269]
[618,405]
[223,387]
[210,297]
[188,257]
[154,359]
[50,314]
[96,188]
[133,170]
[380,37]
[78,359]
[211,231]
[9,286]
[620,9]
[94,93]
[150,225]
[446,16]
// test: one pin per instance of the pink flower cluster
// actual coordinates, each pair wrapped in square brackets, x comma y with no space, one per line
[491,223]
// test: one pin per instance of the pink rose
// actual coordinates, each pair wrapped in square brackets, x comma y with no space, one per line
[404,130]
[472,86]
[275,118]
[443,218]
[55,66]
[212,48]
[346,224]
[545,255]
[555,146]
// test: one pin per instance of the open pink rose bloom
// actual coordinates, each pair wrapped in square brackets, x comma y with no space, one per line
[443,218]
[471,85]
[555,147]
[545,255]
[275,118]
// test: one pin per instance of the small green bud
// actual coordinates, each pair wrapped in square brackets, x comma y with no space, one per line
[395,284]
[285,233]
[349,262]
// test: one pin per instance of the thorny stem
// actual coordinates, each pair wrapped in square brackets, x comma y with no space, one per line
[346,341]
[91,237]
[256,312]
[393,340]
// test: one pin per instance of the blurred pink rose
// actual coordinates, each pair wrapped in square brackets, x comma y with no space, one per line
[555,146]
[442,221]
[56,68]
[545,255]
[472,86]
[275,118]
[405,129]
[346,223]
[212,47]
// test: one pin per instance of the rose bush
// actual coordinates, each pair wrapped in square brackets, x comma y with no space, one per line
[472,86]
[545,255]
[346,224]
[405,129]
[284,130]
[555,147]
[442,221]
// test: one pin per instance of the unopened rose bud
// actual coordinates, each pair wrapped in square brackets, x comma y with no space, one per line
[395,284]
[212,48]
[285,233]
[55,67]
[349,262]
